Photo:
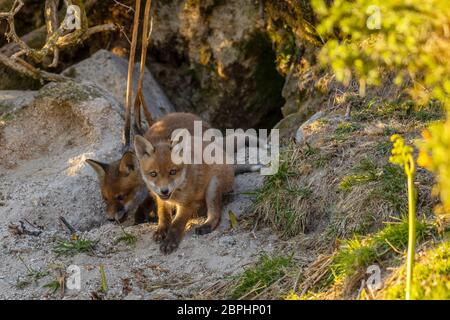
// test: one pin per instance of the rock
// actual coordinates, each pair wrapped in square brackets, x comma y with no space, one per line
[240,201]
[300,135]
[43,151]
[215,59]
[14,100]
[288,125]
[109,72]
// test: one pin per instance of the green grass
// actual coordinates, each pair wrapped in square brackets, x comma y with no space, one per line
[52,286]
[258,277]
[391,182]
[392,187]
[272,199]
[383,147]
[366,171]
[6,117]
[431,277]
[406,110]
[360,252]
[73,247]
[32,275]
[126,237]
[344,129]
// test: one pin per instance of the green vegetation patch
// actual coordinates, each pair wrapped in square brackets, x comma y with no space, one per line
[431,277]
[73,247]
[360,252]
[258,277]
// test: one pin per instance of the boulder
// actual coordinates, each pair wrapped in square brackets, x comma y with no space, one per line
[44,145]
[109,72]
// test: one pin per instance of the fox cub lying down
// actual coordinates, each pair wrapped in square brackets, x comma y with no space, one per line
[187,187]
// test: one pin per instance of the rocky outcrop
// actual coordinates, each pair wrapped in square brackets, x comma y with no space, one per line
[108,71]
[214,58]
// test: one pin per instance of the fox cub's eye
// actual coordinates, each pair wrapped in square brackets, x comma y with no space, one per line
[152,174]
[119,197]
[173,172]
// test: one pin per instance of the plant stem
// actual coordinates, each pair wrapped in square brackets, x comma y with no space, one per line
[412,232]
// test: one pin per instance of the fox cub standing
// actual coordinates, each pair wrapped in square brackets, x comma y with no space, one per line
[187,187]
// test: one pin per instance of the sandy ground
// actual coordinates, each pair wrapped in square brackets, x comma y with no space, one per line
[43,145]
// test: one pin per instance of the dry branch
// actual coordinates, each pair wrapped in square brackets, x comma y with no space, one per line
[57,38]
[139,99]
[126,135]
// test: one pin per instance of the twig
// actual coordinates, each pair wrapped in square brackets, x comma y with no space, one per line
[28,70]
[124,5]
[68,226]
[129,98]
[139,99]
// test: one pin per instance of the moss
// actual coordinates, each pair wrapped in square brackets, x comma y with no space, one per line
[68,91]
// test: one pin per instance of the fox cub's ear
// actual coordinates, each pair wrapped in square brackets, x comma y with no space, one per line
[99,167]
[143,147]
[127,163]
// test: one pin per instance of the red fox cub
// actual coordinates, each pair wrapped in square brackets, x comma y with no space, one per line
[123,190]
[187,187]
[121,185]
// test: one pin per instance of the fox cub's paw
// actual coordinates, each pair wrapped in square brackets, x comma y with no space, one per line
[160,234]
[169,245]
[203,229]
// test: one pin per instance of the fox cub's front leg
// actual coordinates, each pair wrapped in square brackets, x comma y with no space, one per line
[164,220]
[176,230]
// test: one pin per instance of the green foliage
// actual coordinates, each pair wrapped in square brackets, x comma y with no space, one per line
[366,171]
[411,43]
[405,110]
[431,277]
[53,286]
[73,247]
[256,278]
[281,201]
[126,237]
[360,252]
[344,129]
[32,275]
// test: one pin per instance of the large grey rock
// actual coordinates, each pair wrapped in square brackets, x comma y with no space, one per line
[43,147]
[13,100]
[109,72]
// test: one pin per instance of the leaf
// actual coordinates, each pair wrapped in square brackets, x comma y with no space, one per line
[233,221]
[104,285]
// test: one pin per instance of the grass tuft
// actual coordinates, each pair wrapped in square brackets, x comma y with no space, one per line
[360,252]
[73,247]
[126,237]
[256,278]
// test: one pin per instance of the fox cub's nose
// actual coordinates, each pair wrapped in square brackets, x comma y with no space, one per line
[164,191]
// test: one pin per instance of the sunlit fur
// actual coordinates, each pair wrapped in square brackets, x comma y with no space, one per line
[190,186]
